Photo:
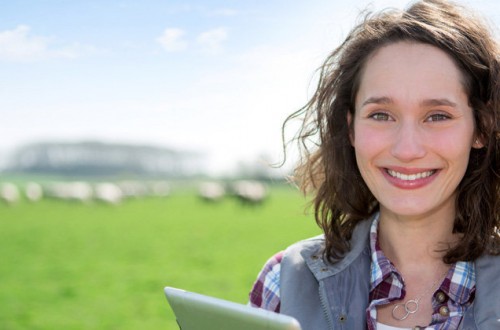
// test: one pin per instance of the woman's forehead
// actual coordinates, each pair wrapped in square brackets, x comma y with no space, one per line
[406,70]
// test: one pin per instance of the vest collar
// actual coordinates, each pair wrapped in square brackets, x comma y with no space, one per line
[312,252]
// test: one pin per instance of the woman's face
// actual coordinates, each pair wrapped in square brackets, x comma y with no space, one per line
[413,129]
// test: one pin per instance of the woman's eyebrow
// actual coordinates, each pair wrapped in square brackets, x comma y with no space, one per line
[378,100]
[438,102]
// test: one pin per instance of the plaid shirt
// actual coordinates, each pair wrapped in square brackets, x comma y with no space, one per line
[449,302]
[266,290]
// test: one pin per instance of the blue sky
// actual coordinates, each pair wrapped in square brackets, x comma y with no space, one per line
[212,76]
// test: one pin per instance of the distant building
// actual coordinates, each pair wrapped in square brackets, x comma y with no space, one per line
[97,158]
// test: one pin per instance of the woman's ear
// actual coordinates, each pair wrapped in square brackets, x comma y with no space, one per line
[478,143]
[350,128]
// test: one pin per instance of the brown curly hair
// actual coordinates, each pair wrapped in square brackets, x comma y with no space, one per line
[328,166]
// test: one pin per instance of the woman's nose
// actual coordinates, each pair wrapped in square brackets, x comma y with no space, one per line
[408,143]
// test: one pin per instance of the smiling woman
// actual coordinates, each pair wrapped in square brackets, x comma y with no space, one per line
[405,180]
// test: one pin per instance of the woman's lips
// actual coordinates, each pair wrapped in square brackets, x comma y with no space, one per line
[409,178]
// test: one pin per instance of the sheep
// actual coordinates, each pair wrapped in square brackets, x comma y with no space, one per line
[9,193]
[250,192]
[33,191]
[71,191]
[108,192]
[211,191]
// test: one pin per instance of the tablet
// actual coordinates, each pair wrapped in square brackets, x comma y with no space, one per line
[199,312]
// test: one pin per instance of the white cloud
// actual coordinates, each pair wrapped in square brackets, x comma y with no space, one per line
[211,40]
[172,40]
[20,46]
[16,44]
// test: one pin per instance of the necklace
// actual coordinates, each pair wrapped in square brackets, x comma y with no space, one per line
[401,311]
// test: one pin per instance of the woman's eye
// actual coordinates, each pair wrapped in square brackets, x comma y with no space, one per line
[438,117]
[380,116]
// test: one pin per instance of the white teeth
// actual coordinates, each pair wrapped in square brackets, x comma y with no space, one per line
[410,177]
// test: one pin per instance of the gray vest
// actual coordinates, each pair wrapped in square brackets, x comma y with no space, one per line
[322,295]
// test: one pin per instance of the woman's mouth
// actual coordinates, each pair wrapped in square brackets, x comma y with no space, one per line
[410,177]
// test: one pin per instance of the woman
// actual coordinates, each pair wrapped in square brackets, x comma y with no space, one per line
[405,179]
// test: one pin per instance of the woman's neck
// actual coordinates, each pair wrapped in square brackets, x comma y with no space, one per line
[411,242]
[416,246]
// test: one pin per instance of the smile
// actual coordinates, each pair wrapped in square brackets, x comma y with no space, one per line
[410,177]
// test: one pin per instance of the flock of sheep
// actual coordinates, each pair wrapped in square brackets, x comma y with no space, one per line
[246,191]
[80,191]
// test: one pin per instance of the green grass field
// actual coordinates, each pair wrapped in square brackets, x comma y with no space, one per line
[72,266]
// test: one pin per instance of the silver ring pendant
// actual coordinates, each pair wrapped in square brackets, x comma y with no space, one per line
[410,307]
[411,303]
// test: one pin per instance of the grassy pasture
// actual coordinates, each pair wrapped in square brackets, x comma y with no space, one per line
[72,266]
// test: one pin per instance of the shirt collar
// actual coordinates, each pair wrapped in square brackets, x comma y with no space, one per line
[381,267]
[459,285]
